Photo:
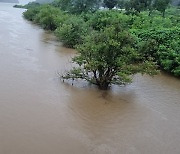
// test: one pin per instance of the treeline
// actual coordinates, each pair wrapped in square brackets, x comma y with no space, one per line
[131,6]
[113,44]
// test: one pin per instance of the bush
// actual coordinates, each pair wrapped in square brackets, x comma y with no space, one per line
[145,22]
[30,14]
[103,19]
[72,31]
[166,48]
[46,17]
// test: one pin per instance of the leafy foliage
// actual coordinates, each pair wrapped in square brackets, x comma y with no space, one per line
[31,13]
[102,19]
[166,47]
[47,17]
[113,46]
[70,32]
[109,57]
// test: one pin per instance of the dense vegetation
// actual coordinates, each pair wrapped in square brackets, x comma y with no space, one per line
[113,45]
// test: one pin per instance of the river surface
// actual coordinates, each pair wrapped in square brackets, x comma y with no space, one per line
[39,114]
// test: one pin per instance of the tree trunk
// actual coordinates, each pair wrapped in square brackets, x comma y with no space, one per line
[163,14]
[103,85]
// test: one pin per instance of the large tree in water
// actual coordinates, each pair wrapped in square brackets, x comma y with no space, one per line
[110,56]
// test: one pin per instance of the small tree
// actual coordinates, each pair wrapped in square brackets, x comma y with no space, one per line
[161,5]
[109,57]
[110,3]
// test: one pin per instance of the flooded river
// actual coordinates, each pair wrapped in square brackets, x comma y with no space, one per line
[41,115]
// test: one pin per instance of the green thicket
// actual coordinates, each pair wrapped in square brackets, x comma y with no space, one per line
[112,45]
[165,47]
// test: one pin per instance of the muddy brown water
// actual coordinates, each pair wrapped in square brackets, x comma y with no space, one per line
[41,115]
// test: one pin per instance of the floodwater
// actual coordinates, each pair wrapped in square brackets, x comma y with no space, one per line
[39,114]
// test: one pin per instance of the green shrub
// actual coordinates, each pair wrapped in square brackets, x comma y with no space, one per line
[166,48]
[46,17]
[72,31]
[103,19]
[30,14]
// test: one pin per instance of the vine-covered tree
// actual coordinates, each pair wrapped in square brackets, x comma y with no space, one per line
[109,57]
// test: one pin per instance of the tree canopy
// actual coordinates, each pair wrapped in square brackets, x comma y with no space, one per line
[109,56]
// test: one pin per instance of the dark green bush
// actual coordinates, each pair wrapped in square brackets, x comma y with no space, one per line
[72,31]
[166,47]
[46,17]
[103,19]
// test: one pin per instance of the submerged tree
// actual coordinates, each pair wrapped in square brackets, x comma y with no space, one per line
[109,56]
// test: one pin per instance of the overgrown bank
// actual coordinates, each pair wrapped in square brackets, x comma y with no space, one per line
[112,45]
